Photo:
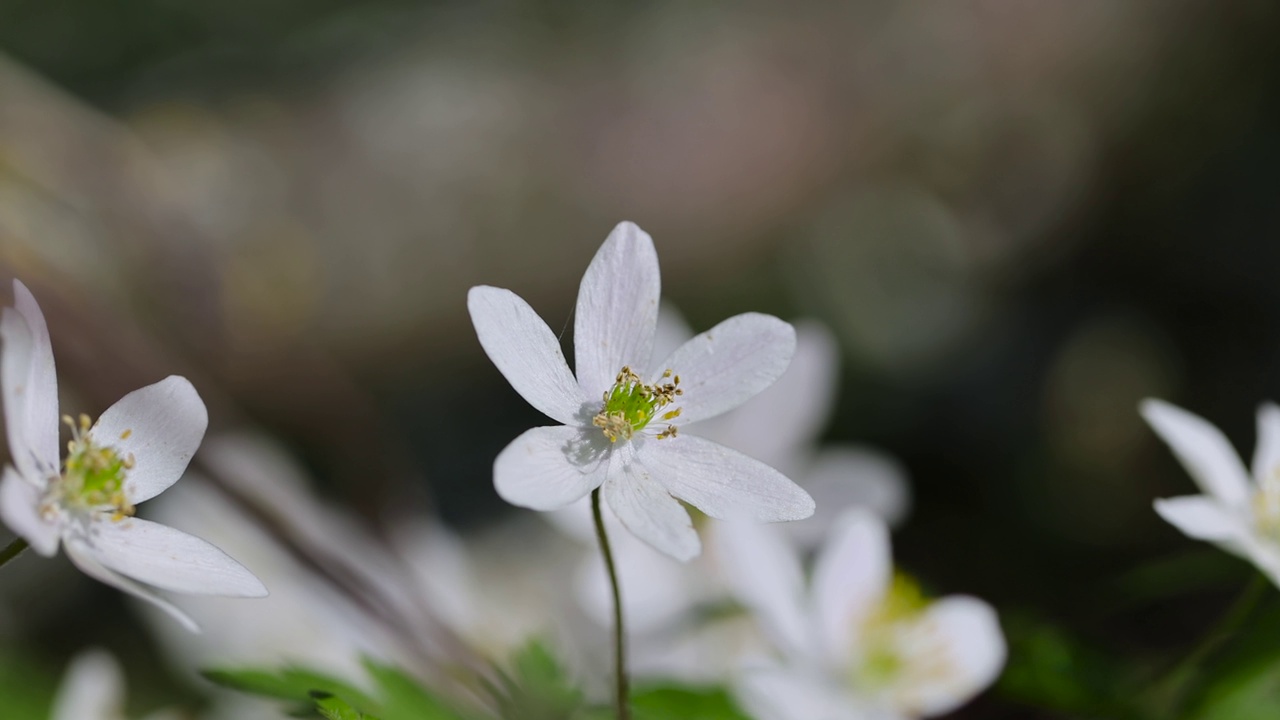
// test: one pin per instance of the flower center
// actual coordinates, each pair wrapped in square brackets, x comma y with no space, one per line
[630,405]
[1266,505]
[883,658]
[93,475]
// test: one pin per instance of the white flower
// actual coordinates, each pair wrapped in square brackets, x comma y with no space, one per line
[621,415]
[1240,516]
[858,641]
[138,448]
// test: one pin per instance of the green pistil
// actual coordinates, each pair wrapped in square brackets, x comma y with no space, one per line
[905,600]
[630,405]
[882,661]
[93,476]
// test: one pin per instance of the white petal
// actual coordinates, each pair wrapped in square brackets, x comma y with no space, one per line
[93,689]
[617,310]
[1266,455]
[672,332]
[30,386]
[646,509]
[850,578]
[764,573]
[654,590]
[548,468]
[526,352]
[844,477]
[724,366]
[1259,550]
[20,510]
[169,559]
[1202,517]
[723,483]
[1203,450]
[84,559]
[575,520]
[785,694]
[964,633]
[161,426]
[787,416]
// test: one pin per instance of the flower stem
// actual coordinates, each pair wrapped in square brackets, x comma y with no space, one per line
[12,550]
[1167,693]
[619,636]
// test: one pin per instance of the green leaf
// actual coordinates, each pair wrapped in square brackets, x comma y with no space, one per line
[1050,669]
[334,708]
[404,698]
[300,686]
[1253,695]
[25,691]
[536,687]
[678,702]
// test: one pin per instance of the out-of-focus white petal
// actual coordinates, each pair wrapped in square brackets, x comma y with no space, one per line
[92,689]
[723,483]
[160,426]
[1266,455]
[1203,450]
[646,509]
[843,476]
[271,629]
[550,467]
[1202,517]
[850,578]
[654,588]
[785,417]
[20,510]
[30,386]
[169,559]
[784,694]
[672,331]
[1261,551]
[764,573]
[526,352]
[963,634]
[617,309]
[575,520]
[83,558]
[723,367]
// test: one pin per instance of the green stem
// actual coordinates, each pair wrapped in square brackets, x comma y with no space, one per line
[1167,692]
[619,636]
[12,550]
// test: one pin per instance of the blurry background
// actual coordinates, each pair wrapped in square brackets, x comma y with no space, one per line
[1018,218]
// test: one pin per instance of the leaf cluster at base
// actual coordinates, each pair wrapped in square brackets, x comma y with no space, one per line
[532,686]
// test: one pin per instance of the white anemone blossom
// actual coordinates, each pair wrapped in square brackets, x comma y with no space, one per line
[139,447]
[621,416]
[858,642]
[1239,516]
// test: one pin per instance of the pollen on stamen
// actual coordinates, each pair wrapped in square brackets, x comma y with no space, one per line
[93,476]
[631,404]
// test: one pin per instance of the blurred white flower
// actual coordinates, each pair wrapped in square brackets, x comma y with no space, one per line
[303,622]
[664,601]
[620,428]
[93,689]
[137,449]
[1237,515]
[781,425]
[858,641]
[499,587]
